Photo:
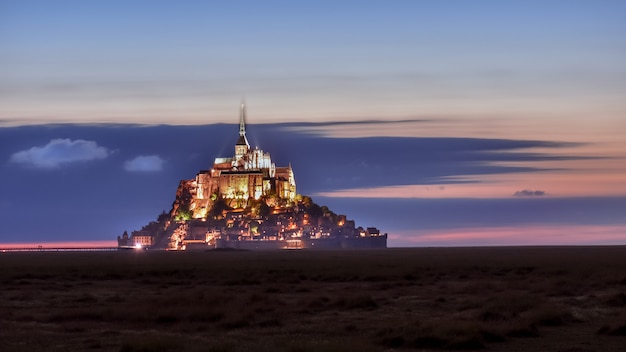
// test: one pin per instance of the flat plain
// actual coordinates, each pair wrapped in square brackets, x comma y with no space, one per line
[416,299]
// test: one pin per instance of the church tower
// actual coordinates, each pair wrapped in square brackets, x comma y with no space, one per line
[242,147]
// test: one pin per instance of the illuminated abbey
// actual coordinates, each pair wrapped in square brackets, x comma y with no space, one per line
[247,202]
[249,174]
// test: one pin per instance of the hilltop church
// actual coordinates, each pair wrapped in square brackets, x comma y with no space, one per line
[246,202]
[249,174]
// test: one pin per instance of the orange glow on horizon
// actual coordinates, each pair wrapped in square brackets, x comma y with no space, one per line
[531,235]
[589,163]
[63,244]
[566,183]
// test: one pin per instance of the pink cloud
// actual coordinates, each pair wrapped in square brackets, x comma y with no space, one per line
[65,244]
[513,236]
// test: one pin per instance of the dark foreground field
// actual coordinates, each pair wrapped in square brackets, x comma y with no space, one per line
[496,299]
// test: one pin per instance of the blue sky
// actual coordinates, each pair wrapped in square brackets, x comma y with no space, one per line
[443,102]
[160,61]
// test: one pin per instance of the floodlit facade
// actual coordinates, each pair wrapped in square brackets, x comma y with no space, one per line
[249,174]
[247,202]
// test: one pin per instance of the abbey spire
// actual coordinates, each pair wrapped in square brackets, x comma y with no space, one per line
[242,146]
[243,140]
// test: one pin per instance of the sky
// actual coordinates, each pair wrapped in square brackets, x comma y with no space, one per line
[443,123]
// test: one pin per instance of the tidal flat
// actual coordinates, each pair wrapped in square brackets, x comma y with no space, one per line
[409,299]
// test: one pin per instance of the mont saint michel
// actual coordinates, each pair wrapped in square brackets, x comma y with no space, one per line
[247,202]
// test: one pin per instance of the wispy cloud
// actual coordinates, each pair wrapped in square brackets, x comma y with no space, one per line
[529,193]
[59,152]
[144,163]
[554,234]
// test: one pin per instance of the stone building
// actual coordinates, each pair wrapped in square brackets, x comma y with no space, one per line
[138,239]
[249,174]
[247,202]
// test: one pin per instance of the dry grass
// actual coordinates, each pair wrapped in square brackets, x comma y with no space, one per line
[398,299]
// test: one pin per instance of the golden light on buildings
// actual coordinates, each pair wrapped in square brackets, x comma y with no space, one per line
[247,198]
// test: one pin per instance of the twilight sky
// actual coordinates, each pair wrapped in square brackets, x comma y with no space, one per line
[440,122]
